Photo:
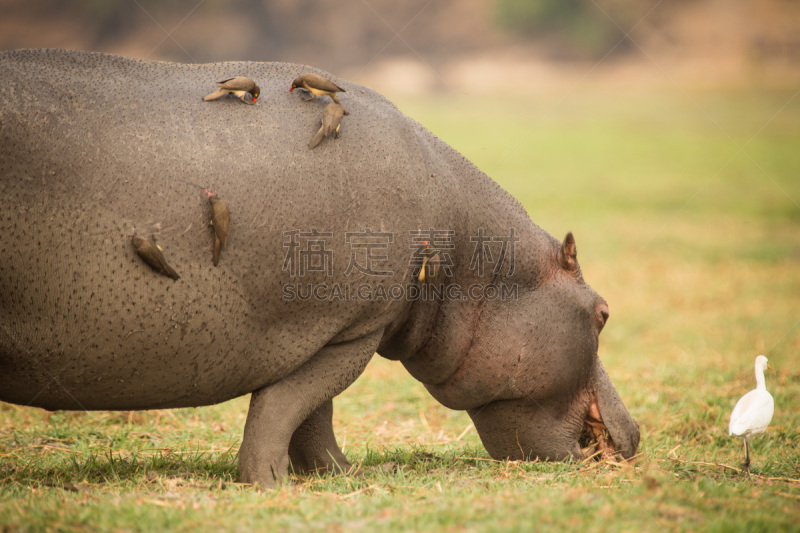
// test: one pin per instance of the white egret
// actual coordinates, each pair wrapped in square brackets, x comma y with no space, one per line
[753,411]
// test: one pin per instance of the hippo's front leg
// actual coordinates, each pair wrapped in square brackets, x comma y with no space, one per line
[313,447]
[278,410]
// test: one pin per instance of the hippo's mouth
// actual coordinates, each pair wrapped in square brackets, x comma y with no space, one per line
[595,440]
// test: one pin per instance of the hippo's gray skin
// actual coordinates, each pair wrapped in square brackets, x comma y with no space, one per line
[95,148]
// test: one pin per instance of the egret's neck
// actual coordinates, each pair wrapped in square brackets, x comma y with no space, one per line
[761,384]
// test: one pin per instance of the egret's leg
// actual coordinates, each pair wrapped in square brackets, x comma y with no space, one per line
[746,464]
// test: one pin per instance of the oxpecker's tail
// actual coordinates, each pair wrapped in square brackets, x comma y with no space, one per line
[217,248]
[219,93]
[169,271]
[317,138]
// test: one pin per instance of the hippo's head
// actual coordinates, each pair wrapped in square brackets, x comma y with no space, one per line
[531,380]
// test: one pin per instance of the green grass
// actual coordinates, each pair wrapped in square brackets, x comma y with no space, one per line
[686,211]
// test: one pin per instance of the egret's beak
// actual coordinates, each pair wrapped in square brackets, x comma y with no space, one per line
[769,367]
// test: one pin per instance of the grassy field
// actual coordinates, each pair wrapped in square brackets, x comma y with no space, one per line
[686,211]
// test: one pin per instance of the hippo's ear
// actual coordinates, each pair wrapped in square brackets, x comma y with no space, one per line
[568,254]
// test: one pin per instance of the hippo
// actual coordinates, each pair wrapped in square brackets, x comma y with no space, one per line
[385,240]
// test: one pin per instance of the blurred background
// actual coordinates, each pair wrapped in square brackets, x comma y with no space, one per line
[423,45]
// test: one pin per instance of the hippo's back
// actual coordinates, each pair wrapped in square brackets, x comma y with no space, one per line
[95,148]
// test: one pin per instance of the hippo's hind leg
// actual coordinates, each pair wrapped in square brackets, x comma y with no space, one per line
[313,447]
[278,410]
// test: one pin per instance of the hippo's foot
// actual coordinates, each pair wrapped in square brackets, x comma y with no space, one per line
[313,447]
[293,416]
[263,472]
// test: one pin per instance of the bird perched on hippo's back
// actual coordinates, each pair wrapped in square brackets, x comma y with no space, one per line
[238,86]
[316,85]
[221,222]
[153,256]
[331,122]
